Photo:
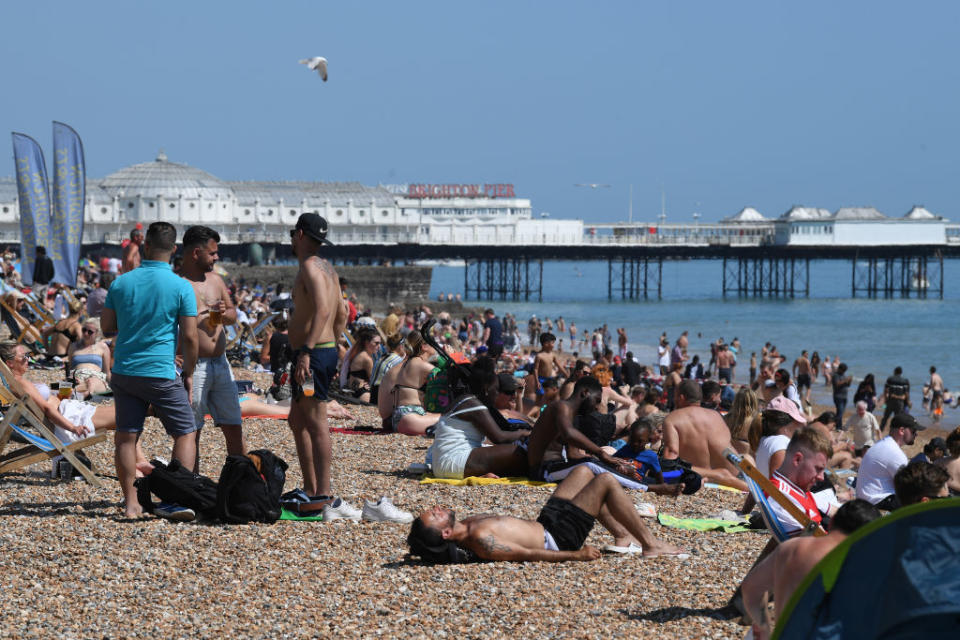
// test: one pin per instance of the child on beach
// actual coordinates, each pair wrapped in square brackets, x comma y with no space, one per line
[643,459]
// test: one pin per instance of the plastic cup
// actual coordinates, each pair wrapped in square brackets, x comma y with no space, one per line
[307,387]
[65,390]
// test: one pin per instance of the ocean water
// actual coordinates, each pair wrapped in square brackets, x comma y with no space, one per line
[869,335]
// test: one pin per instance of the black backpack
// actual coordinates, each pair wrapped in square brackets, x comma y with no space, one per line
[250,488]
[177,484]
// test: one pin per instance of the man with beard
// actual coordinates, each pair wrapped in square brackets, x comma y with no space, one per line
[214,390]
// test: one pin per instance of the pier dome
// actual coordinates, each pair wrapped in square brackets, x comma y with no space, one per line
[164,179]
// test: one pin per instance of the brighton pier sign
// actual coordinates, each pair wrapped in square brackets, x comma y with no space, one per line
[460,191]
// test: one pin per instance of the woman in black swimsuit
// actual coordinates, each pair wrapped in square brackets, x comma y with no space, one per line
[64,332]
[361,366]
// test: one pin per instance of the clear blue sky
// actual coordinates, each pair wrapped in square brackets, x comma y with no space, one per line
[724,104]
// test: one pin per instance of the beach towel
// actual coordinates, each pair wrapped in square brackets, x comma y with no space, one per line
[479,482]
[722,487]
[703,524]
[286,514]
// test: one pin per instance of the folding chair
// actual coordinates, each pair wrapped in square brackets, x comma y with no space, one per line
[42,443]
[763,491]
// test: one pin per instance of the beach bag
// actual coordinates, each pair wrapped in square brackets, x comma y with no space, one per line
[437,392]
[250,488]
[176,484]
[598,427]
[677,470]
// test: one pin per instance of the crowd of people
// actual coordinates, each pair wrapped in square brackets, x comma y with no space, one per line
[156,330]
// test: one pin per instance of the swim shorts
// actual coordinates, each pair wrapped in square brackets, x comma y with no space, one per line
[323,366]
[566,522]
[725,373]
[803,380]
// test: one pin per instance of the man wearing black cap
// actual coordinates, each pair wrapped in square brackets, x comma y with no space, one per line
[319,316]
[882,461]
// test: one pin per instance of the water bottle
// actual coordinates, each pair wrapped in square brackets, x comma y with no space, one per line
[246,360]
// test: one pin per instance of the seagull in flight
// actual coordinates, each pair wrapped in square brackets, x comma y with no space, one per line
[317,64]
[592,185]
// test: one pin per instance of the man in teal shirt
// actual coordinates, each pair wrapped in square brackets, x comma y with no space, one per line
[147,309]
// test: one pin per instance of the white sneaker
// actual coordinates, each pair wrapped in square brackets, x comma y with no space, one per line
[340,509]
[383,510]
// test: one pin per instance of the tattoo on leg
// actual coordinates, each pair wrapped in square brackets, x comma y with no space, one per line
[489,543]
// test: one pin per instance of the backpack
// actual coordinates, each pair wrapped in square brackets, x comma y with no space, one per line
[677,470]
[250,488]
[177,484]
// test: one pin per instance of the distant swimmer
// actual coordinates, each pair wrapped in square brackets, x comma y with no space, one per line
[317,64]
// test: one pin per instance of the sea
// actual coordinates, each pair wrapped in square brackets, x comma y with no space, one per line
[871,335]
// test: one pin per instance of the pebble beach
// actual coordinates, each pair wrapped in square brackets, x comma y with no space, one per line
[73,568]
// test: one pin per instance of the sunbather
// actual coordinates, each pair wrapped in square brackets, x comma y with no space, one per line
[557,535]
[89,360]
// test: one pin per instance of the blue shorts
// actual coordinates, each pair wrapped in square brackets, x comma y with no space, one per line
[323,366]
[133,395]
[214,391]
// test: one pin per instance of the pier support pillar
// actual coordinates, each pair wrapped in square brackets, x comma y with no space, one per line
[774,277]
[631,278]
[503,279]
[910,276]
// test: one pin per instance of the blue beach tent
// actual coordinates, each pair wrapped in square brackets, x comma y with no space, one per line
[897,577]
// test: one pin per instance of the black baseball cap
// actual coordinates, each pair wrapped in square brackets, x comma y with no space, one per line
[313,225]
[905,420]
[508,384]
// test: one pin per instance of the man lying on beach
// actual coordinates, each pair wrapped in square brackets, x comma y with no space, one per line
[699,436]
[785,568]
[558,534]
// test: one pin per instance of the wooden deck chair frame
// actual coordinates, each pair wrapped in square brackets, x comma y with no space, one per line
[42,447]
[763,490]
[247,335]
[44,314]
[20,320]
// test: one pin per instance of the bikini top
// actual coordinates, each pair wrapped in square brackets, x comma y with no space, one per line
[87,358]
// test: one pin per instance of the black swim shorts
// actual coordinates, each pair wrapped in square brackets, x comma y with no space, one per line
[566,522]
[323,366]
[803,380]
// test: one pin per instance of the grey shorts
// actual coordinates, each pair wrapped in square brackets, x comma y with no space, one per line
[214,391]
[133,395]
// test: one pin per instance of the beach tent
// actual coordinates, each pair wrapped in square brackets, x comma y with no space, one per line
[897,577]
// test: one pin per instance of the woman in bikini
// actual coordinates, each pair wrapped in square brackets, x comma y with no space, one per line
[360,366]
[400,395]
[64,332]
[89,360]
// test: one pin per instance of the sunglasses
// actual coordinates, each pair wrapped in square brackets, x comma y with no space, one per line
[88,331]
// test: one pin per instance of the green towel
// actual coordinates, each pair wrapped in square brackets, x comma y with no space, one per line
[290,515]
[704,524]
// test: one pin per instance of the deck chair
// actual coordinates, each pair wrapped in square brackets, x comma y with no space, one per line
[24,326]
[25,418]
[763,491]
[246,338]
[44,315]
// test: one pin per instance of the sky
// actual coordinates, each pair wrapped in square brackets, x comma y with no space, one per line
[714,105]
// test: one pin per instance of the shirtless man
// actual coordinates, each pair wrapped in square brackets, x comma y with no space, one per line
[319,316]
[214,390]
[936,394]
[131,252]
[546,365]
[782,571]
[558,534]
[802,374]
[554,429]
[700,437]
[725,362]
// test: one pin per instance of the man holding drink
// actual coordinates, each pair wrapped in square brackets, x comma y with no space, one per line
[214,389]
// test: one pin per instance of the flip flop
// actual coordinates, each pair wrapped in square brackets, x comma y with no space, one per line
[679,555]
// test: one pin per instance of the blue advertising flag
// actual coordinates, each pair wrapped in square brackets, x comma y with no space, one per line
[34,201]
[66,221]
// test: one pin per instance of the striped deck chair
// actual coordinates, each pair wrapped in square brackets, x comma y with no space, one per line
[246,338]
[25,418]
[763,491]
[26,332]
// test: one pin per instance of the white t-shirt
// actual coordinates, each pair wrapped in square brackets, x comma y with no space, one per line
[768,446]
[664,354]
[880,463]
[863,429]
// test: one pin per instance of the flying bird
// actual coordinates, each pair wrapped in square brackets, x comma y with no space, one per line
[317,64]
[592,185]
